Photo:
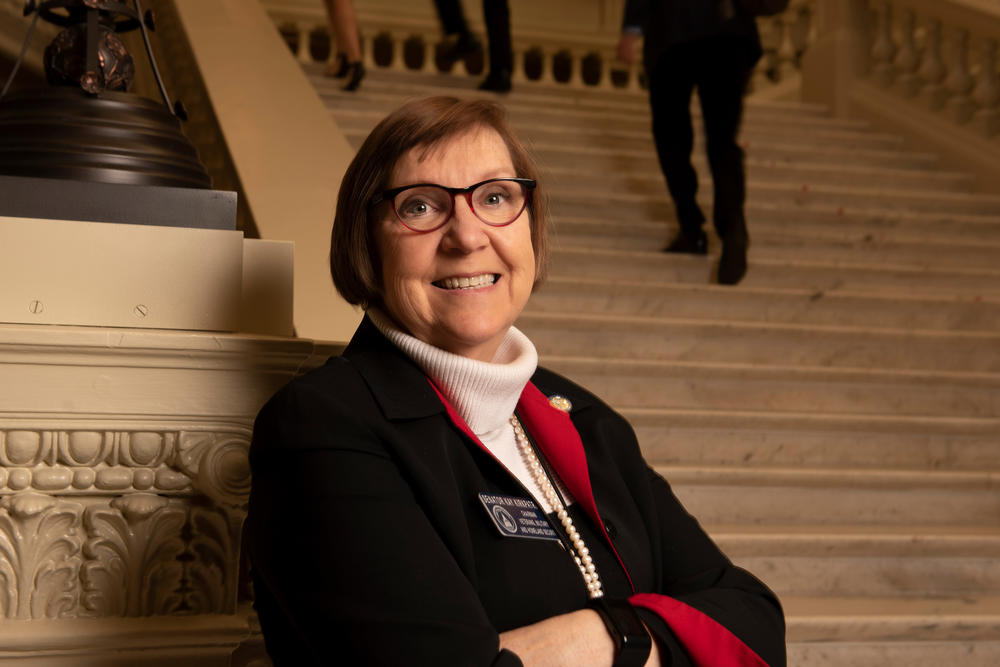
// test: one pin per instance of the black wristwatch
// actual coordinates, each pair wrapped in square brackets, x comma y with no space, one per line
[632,641]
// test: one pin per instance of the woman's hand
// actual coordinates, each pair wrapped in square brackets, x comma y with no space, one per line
[573,639]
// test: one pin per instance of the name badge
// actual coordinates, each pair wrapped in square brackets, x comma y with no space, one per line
[517,517]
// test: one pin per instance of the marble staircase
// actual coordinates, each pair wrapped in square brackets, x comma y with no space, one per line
[834,420]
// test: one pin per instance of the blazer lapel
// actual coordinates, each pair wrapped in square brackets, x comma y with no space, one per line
[403,391]
[397,383]
[559,440]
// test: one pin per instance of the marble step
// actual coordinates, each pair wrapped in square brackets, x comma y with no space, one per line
[705,436]
[700,385]
[778,242]
[786,152]
[840,631]
[853,219]
[655,224]
[645,178]
[827,496]
[459,79]
[819,276]
[568,196]
[546,93]
[863,561]
[782,226]
[792,305]
[358,118]
[384,88]
[905,649]
[732,341]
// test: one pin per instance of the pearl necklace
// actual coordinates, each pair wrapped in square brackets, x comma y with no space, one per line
[582,554]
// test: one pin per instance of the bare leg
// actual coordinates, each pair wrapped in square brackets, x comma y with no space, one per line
[344,26]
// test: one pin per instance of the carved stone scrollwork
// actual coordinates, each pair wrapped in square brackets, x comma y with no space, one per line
[149,521]
[218,463]
[39,556]
[213,555]
[133,549]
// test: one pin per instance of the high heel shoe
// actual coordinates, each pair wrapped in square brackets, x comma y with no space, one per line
[338,68]
[355,72]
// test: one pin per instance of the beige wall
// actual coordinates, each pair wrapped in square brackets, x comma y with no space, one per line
[285,146]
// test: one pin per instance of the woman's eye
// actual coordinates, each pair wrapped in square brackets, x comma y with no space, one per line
[495,198]
[415,208]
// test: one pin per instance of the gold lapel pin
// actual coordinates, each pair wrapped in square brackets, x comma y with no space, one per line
[560,402]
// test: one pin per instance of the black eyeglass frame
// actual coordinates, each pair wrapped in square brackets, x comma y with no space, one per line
[389,196]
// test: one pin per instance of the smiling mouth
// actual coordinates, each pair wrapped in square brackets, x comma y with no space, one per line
[467,282]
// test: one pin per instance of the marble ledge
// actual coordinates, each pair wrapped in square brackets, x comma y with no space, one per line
[26,339]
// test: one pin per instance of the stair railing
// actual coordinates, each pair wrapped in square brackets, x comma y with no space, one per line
[926,69]
[404,36]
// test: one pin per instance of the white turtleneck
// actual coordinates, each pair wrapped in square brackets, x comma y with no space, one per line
[483,393]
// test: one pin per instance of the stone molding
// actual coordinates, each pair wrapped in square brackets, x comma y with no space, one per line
[120,523]
[123,487]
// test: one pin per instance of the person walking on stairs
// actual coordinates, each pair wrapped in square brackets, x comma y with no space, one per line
[711,45]
[343,24]
[496,15]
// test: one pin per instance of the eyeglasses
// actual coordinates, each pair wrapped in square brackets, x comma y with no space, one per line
[424,207]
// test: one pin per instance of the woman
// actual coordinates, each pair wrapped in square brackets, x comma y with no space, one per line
[431,497]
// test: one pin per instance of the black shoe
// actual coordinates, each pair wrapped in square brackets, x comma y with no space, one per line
[464,45]
[355,72]
[338,68]
[732,263]
[497,81]
[692,243]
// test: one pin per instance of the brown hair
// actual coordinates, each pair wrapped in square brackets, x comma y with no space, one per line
[354,262]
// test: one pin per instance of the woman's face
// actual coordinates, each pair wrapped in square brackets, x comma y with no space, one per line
[416,267]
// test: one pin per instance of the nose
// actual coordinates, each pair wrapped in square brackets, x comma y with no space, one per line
[464,231]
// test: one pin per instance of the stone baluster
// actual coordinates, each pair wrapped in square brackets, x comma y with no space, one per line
[812,29]
[517,74]
[786,47]
[397,62]
[302,52]
[547,60]
[883,48]
[932,70]
[609,61]
[907,58]
[987,91]
[368,48]
[576,57]
[429,65]
[959,82]
[767,68]
[634,72]
[802,30]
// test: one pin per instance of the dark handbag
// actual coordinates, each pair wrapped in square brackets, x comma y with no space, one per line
[763,7]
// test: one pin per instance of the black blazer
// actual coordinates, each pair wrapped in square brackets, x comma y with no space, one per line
[370,546]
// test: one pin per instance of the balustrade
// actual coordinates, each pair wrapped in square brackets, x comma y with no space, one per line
[785,38]
[906,56]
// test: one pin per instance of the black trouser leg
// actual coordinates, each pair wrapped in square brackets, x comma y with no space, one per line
[671,83]
[722,79]
[496,13]
[450,14]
